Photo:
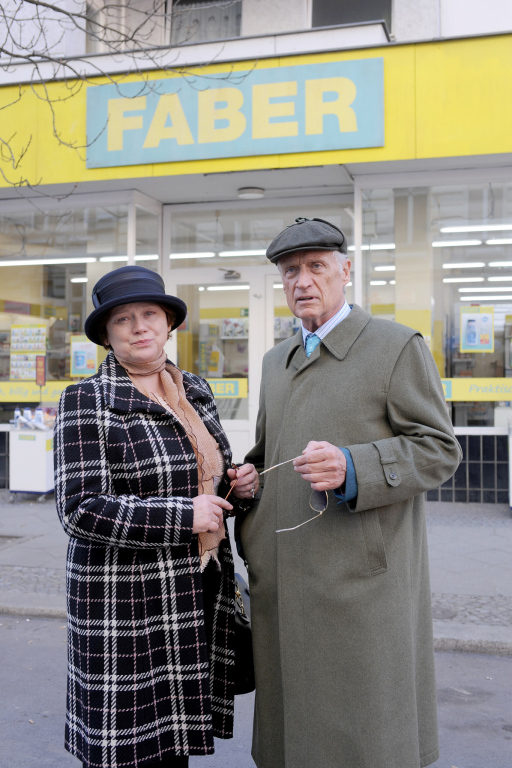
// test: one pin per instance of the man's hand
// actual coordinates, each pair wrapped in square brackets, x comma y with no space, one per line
[323,465]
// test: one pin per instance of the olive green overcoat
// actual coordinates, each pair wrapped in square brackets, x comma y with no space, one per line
[342,626]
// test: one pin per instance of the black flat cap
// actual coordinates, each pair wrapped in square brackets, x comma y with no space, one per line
[307,235]
[126,286]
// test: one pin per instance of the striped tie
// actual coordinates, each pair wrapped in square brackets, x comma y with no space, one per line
[312,342]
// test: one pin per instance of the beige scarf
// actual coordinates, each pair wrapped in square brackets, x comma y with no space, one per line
[210,462]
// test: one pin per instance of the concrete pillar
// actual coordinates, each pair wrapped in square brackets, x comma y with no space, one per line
[413,260]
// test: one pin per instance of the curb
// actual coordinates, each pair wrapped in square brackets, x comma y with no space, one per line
[448,636]
[475,646]
[473,638]
[33,604]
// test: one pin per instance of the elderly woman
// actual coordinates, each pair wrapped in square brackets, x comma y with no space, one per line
[140,479]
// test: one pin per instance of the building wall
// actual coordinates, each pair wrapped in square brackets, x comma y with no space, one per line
[474,17]
[415,21]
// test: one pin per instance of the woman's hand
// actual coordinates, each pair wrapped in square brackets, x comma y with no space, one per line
[208,514]
[248,481]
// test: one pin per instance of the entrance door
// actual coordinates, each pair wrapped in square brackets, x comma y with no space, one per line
[229,327]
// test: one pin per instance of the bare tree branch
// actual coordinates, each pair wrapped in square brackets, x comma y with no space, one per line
[35,33]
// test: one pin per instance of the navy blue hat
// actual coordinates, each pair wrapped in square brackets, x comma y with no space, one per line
[307,235]
[126,286]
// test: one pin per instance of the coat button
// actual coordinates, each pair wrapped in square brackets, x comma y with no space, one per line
[392,475]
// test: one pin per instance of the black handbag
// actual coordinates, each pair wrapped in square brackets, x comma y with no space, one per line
[244,663]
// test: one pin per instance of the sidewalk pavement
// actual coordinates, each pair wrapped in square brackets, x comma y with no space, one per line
[470,549]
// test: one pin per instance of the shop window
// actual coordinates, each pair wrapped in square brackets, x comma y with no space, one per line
[49,260]
[196,22]
[217,245]
[228,238]
[330,12]
[439,259]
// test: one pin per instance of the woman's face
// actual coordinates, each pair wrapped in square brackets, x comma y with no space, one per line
[137,332]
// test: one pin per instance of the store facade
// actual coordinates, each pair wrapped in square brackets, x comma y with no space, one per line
[405,147]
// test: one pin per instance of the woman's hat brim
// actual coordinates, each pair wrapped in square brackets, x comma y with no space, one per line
[94,321]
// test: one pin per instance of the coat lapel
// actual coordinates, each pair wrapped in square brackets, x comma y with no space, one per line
[120,393]
[338,341]
[123,397]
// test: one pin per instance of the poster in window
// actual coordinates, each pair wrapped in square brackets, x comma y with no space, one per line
[477,329]
[84,356]
[27,341]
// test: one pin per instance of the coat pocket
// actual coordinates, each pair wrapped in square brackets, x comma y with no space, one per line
[373,541]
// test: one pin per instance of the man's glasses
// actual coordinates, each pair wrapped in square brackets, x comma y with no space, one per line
[317,500]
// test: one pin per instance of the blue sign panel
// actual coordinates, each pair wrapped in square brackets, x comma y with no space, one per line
[447,388]
[303,108]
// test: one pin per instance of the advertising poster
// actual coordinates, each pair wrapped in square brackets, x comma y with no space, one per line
[477,329]
[27,341]
[235,328]
[84,358]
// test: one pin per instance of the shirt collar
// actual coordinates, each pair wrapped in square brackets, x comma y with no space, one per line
[333,321]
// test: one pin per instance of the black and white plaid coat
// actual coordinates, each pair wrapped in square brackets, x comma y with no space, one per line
[141,684]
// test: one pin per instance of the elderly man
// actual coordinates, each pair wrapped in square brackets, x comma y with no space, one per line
[341,615]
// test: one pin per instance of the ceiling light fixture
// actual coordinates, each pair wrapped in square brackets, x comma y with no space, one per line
[385,268]
[43,262]
[454,243]
[378,282]
[227,288]
[499,279]
[250,193]
[382,247]
[487,288]
[500,264]
[193,255]
[485,298]
[255,252]
[374,247]
[463,279]
[500,241]
[79,280]
[148,257]
[464,265]
[478,228]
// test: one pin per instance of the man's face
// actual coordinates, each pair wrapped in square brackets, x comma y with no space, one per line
[313,282]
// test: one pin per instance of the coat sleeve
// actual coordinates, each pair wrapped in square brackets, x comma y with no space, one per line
[86,503]
[424,452]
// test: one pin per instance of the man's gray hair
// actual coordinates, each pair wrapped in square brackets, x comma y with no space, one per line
[341,257]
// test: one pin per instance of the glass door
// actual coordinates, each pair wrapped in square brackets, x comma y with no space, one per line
[227,331]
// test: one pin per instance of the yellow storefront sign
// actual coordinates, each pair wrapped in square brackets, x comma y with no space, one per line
[432,92]
[460,390]
[477,390]
[29,392]
[228,387]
